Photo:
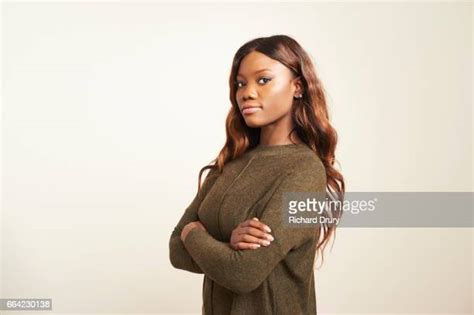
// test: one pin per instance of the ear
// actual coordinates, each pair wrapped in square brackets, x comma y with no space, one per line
[298,84]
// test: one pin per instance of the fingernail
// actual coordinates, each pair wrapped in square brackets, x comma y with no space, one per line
[256,246]
[265,243]
[256,219]
[270,238]
[268,229]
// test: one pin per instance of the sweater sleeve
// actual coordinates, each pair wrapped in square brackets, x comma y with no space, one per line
[178,255]
[243,271]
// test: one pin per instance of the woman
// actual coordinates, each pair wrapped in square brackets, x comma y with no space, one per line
[279,140]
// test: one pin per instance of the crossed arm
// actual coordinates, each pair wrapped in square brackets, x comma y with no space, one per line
[179,255]
[244,270]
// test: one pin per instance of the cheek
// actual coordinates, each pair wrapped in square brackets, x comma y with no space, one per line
[278,99]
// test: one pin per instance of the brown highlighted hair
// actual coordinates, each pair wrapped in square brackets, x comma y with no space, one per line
[309,113]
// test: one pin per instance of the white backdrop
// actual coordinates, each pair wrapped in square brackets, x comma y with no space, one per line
[110,110]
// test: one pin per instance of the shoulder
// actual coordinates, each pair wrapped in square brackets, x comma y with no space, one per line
[209,178]
[307,172]
[308,162]
[211,175]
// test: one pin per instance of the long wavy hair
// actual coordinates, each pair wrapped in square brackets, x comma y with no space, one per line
[309,114]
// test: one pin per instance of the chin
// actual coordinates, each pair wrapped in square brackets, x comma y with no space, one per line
[254,123]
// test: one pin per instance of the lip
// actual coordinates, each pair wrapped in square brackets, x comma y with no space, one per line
[251,109]
[250,105]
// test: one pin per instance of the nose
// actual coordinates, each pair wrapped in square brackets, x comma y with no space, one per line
[248,92]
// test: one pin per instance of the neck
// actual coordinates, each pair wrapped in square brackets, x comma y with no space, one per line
[278,133]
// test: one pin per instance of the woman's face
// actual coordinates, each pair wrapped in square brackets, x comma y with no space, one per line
[267,87]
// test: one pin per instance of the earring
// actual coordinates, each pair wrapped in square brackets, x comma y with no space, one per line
[298,96]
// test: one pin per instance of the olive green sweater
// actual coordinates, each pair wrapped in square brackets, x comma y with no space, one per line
[274,279]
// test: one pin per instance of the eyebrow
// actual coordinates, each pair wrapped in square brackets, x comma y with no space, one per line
[261,70]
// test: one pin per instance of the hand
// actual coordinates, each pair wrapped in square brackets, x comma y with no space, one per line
[188,227]
[250,234]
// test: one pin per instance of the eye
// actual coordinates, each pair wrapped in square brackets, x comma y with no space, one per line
[265,79]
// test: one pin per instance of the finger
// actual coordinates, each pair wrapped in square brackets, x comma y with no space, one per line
[256,224]
[252,239]
[244,245]
[255,232]
[259,225]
